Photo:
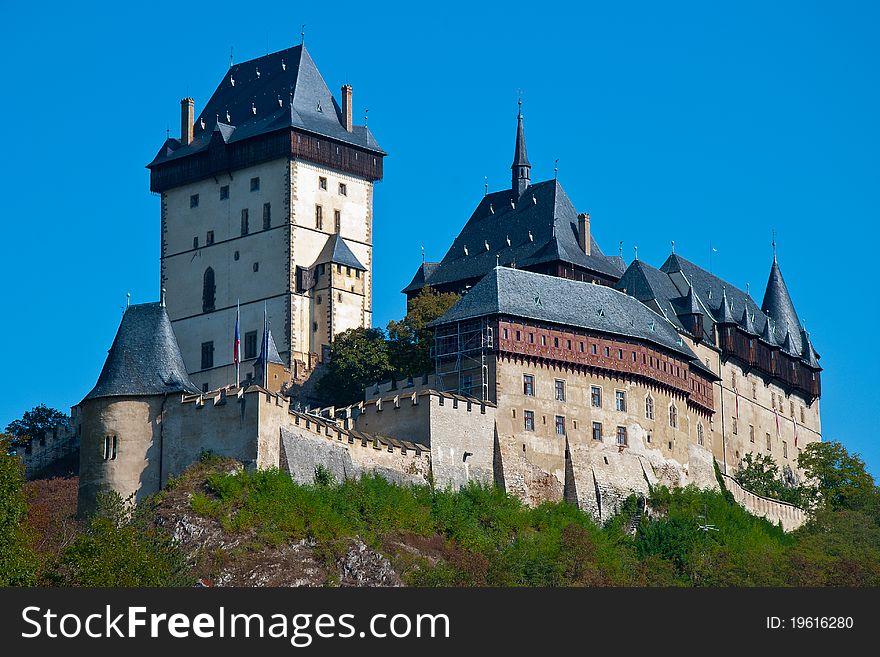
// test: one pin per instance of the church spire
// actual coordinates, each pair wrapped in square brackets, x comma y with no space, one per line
[520,169]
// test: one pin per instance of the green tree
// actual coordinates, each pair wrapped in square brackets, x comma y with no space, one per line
[410,339]
[838,479]
[759,474]
[358,357]
[17,560]
[34,424]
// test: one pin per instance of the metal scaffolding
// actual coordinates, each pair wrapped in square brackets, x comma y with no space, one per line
[460,355]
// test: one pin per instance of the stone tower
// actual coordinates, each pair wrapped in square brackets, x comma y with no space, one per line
[267,200]
[124,415]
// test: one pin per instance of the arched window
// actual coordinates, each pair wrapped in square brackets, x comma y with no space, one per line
[649,407]
[208,291]
[673,416]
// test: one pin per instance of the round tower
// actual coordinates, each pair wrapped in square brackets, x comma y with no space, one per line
[123,417]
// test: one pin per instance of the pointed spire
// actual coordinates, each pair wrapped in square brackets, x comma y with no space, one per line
[768,336]
[809,355]
[691,306]
[521,168]
[724,315]
[778,305]
[748,322]
[787,345]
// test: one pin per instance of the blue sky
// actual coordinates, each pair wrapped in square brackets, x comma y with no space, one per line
[695,122]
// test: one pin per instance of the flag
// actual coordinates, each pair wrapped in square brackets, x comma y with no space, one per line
[776,413]
[236,345]
[264,347]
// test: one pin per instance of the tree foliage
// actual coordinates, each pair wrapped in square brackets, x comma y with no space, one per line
[837,479]
[18,563]
[358,358]
[759,474]
[410,339]
[34,424]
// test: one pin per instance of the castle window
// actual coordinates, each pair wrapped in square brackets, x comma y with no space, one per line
[531,338]
[597,431]
[339,296]
[267,216]
[568,345]
[255,184]
[194,201]
[256,267]
[556,343]
[529,420]
[560,389]
[224,192]
[784,449]
[634,357]
[594,349]
[343,189]
[319,217]
[733,379]
[596,396]
[518,336]
[620,400]
[803,416]
[236,256]
[505,334]
[208,291]
[322,183]
[768,441]
[196,242]
[734,425]
[754,390]
[773,400]
[560,425]
[543,340]
[607,352]
[315,326]
[244,222]
[250,344]
[791,408]
[318,300]
[106,454]
[582,347]
[621,436]
[673,416]
[620,354]
[649,407]
[207,355]
[699,433]
[209,238]
[205,387]
[357,273]
[751,433]
[348,271]
[528,385]
[337,220]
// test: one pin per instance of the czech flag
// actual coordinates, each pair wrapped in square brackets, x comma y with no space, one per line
[236,347]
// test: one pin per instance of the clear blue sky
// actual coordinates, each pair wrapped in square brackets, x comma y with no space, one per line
[699,122]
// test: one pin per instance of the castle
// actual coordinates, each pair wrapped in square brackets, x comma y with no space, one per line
[561,373]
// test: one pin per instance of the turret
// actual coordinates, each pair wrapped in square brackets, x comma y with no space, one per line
[521,168]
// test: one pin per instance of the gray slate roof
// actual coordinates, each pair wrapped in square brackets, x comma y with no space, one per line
[274,356]
[541,226]
[144,358]
[423,273]
[527,295]
[778,305]
[337,251]
[286,90]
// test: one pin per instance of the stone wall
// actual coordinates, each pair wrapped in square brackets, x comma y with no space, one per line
[59,443]
[775,511]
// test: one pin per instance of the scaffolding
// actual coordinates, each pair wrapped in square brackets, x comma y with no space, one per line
[460,354]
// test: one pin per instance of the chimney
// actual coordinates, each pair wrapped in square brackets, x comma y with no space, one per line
[186,121]
[346,106]
[584,232]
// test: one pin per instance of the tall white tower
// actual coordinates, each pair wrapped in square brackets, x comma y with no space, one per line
[267,201]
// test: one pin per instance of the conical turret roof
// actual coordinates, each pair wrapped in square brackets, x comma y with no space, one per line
[778,305]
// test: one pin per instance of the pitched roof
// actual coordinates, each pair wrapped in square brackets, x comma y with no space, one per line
[280,90]
[778,305]
[527,295]
[421,276]
[520,156]
[337,251]
[274,356]
[540,226]
[144,358]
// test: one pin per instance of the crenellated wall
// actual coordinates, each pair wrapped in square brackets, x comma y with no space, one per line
[791,517]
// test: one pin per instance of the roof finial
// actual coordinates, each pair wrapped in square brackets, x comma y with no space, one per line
[747,288]
[231,58]
[366,112]
[162,298]
[556,169]
[127,299]
[423,254]
[673,246]
[620,249]
[636,249]
[773,244]
[302,34]
[497,260]
[486,185]
[167,132]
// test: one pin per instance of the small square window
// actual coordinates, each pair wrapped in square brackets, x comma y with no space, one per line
[620,400]
[597,431]
[528,385]
[560,425]
[322,183]
[529,420]
[594,349]
[255,184]
[343,189]
[560,389]
[621,436]
[194,201]
[596,397]
[209,238]
[256,266]
[224,192]
[236,255]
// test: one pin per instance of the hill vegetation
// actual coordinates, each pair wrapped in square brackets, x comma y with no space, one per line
[220,524]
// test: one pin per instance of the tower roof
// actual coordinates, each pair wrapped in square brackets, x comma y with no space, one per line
[725,312]
[144,358]
[337,251]
[809,355]
[769,335]
[281,90]
[748,322]
[520,156]
[777,304]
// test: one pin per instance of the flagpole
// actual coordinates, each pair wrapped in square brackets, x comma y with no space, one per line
[236,354]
